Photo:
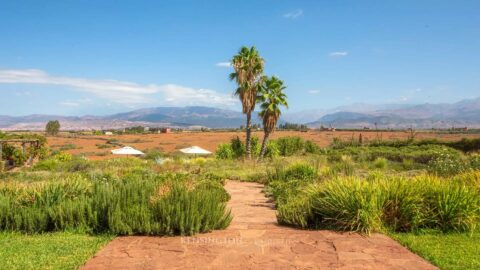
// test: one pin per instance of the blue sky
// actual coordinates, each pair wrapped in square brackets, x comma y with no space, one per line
[101,57]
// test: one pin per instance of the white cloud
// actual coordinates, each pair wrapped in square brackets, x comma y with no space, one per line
[293,14]
[338,54]
[223,64]
[69,104]
[76,103]
[313,92]
[127,93]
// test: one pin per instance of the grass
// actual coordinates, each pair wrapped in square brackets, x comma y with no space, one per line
[450,251]
[61,250]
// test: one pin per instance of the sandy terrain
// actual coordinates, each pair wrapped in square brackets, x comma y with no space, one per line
[255,241]
[209,140]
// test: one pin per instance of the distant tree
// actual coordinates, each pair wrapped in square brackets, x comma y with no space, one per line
[292,126]
[53,127]
[271,98]
[248,66]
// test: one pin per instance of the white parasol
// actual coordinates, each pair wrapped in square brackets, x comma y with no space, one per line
[127,150]
[195,150]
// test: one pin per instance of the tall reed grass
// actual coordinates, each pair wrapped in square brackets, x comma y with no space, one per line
[379,204]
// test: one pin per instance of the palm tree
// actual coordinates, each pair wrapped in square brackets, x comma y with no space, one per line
[248,67]
[272,97]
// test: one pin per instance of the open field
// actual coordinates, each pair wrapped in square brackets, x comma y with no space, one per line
[95,147]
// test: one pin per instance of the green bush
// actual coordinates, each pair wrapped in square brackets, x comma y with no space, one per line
[153,154]
[119,197]
[349,205]
[345,165]
[422,154]
[453,207]
[238,147]
[380,163]
[285,181]
[224,151]
[446,164]
[381,203]
[289,146]
[272,150]
[403,205]
[312,147]
[474,162]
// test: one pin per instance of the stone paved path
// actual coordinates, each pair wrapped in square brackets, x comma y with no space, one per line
[255,241]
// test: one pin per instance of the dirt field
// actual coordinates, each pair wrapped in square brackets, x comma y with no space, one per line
[95,147]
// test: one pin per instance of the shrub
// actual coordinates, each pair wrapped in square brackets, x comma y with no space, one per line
[68,146]
[153,154]
[256,146]
[348,204]
[238,147]
[62,157]
[290,145]
[345,165]
[403,205]
[454,207]
[379,203]
[138,203]
[408,163]
[272,150]
[14,154]
[297,211]
[224,151]
[311,147]
[380,163]
[284,182]
[300,172]
[446,164]
[474,162]
[420,154]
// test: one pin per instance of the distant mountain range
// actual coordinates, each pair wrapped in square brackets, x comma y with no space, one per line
[181,117]
[463,113]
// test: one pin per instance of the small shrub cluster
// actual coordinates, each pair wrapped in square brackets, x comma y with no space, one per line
[284,146]
[422,154]
[379,204]
[465,144]
[447,164]
[118,196]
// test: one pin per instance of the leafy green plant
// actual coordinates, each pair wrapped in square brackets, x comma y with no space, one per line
[120,196]
[224,151]
[380,163]
[446,164]
[290,145]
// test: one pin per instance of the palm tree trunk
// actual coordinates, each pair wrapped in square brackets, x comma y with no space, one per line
[264,145]
[248,142]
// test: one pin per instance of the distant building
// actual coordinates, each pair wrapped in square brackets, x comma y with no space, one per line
[108,133]
[146,129]
[322,128]
[165,130]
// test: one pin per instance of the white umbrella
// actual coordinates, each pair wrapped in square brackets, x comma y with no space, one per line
[127,150]
[195,150]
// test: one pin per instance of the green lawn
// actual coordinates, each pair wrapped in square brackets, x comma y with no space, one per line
[59,250]
[448,251]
